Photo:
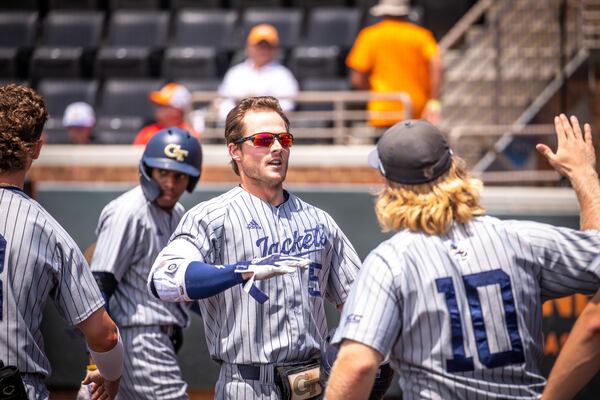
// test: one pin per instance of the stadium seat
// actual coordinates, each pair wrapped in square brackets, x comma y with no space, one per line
[68,41]
[210,28]
[124,108]
[190,62]
[332,26]
[134,44]
[23,5]
[203,85]
[181,4]
[310,4]
[256,3]
[313,62]
[133,4]
[58,94]
[73,4]
[200,44]
[17,35]
[287,21]
[325,84]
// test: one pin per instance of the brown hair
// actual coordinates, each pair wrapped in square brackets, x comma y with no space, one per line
[430,207]
[234,124]
[22,118]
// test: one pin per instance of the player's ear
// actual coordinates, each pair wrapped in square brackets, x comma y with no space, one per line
[234,151]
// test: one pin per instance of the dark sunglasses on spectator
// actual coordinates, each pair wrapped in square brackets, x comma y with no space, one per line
[266,139]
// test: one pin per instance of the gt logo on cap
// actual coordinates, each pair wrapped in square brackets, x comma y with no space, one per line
[175,151]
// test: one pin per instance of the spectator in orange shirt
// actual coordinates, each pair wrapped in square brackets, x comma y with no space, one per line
[171,103]
[396,55]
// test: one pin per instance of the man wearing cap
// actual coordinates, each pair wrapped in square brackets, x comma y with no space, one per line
[171,103]
[396,55]
[79,119]
[454,297]
[260,74]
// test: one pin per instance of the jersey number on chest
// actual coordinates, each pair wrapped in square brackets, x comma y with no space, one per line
[2,253]
[460,362]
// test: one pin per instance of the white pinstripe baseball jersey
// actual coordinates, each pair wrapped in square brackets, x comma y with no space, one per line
[131,232]
[238,226]
[461,314]
[38,260]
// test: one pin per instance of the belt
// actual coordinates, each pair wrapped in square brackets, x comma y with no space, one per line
[249,372]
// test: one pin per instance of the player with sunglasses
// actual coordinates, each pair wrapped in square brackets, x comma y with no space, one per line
[261,261]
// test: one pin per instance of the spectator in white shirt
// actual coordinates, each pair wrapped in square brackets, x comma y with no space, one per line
[260,74]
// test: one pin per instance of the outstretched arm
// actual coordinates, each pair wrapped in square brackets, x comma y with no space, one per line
[579,360]
[576,160]
[177,275]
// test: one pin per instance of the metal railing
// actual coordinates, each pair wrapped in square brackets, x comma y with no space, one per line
[336,116]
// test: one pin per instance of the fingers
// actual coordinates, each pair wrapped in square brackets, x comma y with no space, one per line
[576,127]
[558,127]
[587,129]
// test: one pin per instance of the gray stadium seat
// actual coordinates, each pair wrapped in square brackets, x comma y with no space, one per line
[73,4]
[333,26]
[22,5]
[68,40]
[58,94]
[256,3]
[190,62]
[181,4]
[313,62]
[133,45]
[133,4]
[309,4]
[124,108]
[210,28]
[287,21]
[200,43]
[17,35]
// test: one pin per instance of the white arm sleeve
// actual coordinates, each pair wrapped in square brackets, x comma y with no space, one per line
[168,271]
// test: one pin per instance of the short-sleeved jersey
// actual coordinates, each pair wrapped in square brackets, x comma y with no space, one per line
[38,260]
[131,232]
[238,226]
[461,314]
[396,55]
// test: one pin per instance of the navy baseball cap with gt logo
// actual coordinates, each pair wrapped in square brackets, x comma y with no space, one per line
[412,152]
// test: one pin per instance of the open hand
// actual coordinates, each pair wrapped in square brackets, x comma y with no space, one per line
[575,153]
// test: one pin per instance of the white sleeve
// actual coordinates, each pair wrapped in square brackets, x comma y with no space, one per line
[167,275]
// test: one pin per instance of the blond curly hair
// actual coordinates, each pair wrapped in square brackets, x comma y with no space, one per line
[22,118]
[430,207]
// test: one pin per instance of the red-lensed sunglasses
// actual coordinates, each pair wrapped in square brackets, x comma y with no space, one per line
[266,139]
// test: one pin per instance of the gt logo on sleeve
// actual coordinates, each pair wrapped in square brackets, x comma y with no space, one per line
[173,150]
[353,318]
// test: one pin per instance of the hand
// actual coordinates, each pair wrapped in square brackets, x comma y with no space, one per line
[101,388]
[575,155]
[273,265]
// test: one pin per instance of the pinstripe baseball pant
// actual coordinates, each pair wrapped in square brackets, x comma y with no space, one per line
[150,369]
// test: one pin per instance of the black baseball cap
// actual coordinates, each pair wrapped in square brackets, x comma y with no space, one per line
[412,152]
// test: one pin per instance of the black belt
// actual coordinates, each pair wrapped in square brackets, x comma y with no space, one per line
[249,372]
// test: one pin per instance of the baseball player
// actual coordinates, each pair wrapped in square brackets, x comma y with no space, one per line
[262,261]
[39,260]
[455,297]
[131,231]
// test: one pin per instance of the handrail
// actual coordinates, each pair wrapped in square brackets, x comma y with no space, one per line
[342,122]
